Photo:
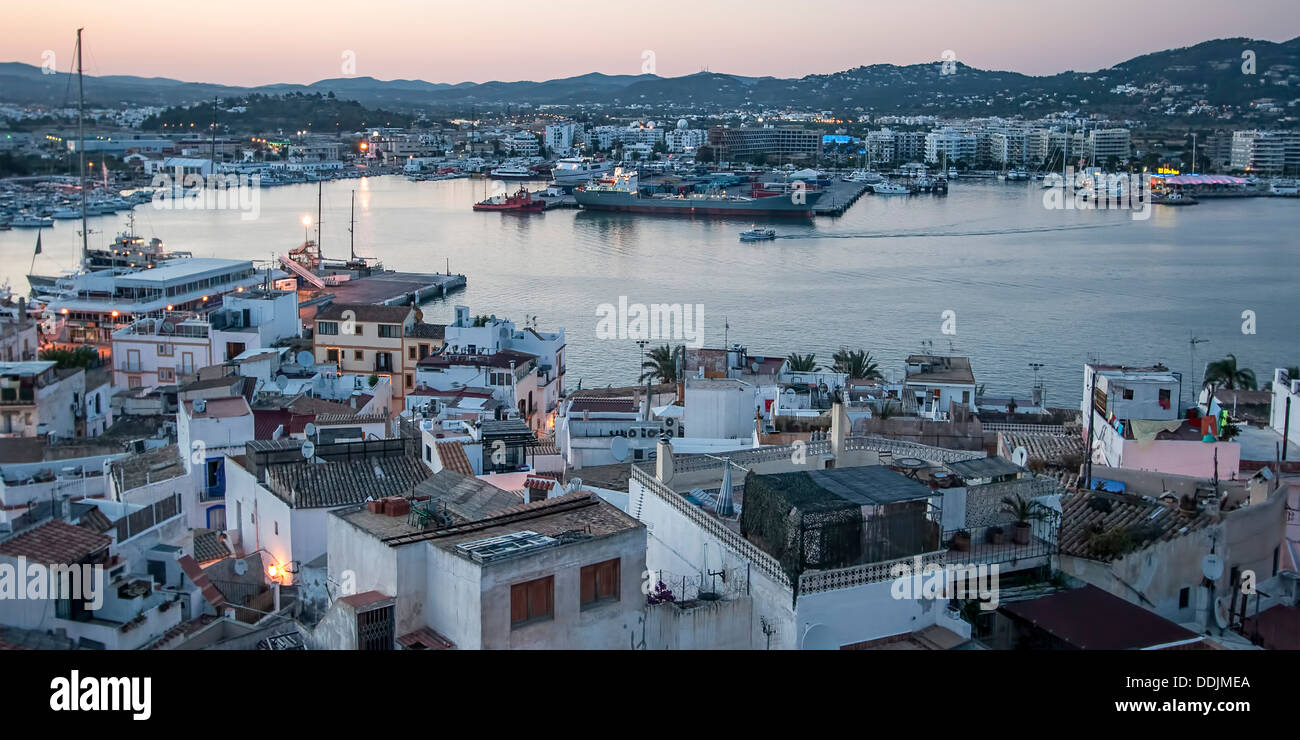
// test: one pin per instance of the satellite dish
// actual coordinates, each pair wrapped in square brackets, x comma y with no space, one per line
[305,358]
[1020,456]
[618,448]
[282,382]
[1212,566]
[308,449]
[309,430]
[1221,612]
[241,566]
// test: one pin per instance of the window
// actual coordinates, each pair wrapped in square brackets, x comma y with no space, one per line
[424,351]
[358,355]
[600,582]
[327,327]
[332,355]
[166,375]
[165,350]
[1164,398]
[133,381]
[390,331]
[276,527]
[376,629]
[532,601]
[410,352]
[1184,597]
[410,380]
[1128,394]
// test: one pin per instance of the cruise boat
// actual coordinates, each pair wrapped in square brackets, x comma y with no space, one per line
[889,188]
[513,172]
[757,235]
[521,202]
[622,193]
[579,170]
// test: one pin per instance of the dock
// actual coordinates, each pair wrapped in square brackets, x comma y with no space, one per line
[396,288]
[839,195]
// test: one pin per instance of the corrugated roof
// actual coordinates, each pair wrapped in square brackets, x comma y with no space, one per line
[984,467]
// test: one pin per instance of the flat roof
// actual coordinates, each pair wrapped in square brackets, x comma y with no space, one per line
[984,467]
[31,367]
[1089,618]
[866,485]
[184,268]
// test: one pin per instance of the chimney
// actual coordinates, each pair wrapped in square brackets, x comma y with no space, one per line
[839,429]
[664,460]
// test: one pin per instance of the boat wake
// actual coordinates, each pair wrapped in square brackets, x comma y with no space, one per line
[915,234]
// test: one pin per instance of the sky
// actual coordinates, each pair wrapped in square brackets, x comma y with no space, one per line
[238,42]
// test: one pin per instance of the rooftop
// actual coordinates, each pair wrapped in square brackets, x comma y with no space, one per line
[940,369]
[1088,514]
[985,467]
[55,543]
[329,483]
[466,498]
[1089,618]
[153,466]
[219,408]
[364,312]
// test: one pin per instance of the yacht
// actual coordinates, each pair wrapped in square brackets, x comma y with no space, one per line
[889,188]
[579,170]
[513,172]
[28,221]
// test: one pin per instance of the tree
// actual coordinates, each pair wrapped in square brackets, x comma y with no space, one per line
[802,363]
[858,364]
[85,357]
[661,363]
[704,155]
[1225,374]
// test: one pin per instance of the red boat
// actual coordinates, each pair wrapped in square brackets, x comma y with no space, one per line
[520,201]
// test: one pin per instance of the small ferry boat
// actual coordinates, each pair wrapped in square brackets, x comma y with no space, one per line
[890,188]
[757,235]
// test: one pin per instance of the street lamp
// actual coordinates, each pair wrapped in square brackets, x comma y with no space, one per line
[306,228]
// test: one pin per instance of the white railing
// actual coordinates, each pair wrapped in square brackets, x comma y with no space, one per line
[737,544]
[812,582]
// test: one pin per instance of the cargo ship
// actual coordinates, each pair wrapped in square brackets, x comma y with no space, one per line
[621,193]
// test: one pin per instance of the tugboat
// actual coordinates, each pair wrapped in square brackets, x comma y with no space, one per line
[522,201]
[757,235]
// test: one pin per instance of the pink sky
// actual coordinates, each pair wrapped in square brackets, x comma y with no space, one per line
[250,43]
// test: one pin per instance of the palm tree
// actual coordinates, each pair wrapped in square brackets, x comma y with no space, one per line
[661,363]
[1023,511]
[802,363]
[858,364]
[1225,374]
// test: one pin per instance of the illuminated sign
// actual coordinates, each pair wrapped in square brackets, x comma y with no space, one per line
[1167,171]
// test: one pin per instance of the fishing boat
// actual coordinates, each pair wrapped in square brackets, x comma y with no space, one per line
[757,235]
[521,201]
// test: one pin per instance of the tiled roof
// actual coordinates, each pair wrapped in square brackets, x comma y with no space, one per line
[466,498]
[425,639]
[428,331]
[313,405]
[1087,513]
[364,312]
[350,419]
[96,520]
[305,485]
[208,545]
[55,543]
[453,457]
[1050,448]
[604,406]
[151,467]
[200,579]
[365,598]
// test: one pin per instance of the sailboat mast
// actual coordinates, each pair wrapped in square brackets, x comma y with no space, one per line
[320,185]
[81,154]
[352,225]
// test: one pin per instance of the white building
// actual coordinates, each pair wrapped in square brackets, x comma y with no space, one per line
[38,399]
[1284,411]
[951,144]
[936,383]
[152,352]
[252,319]
[207,431]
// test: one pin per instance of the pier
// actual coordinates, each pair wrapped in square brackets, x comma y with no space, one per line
[396,288]
[839,195]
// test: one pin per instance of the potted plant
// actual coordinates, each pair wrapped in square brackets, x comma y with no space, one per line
[1024,512]
[995,535]
[961,541]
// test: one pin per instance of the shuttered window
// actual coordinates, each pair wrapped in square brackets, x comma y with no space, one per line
[600,582]
[532,600]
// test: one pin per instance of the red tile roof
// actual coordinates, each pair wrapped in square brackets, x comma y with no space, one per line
[55,543]
[356,601]
[425,639]
[605,406]
[200,579]
[453,457]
